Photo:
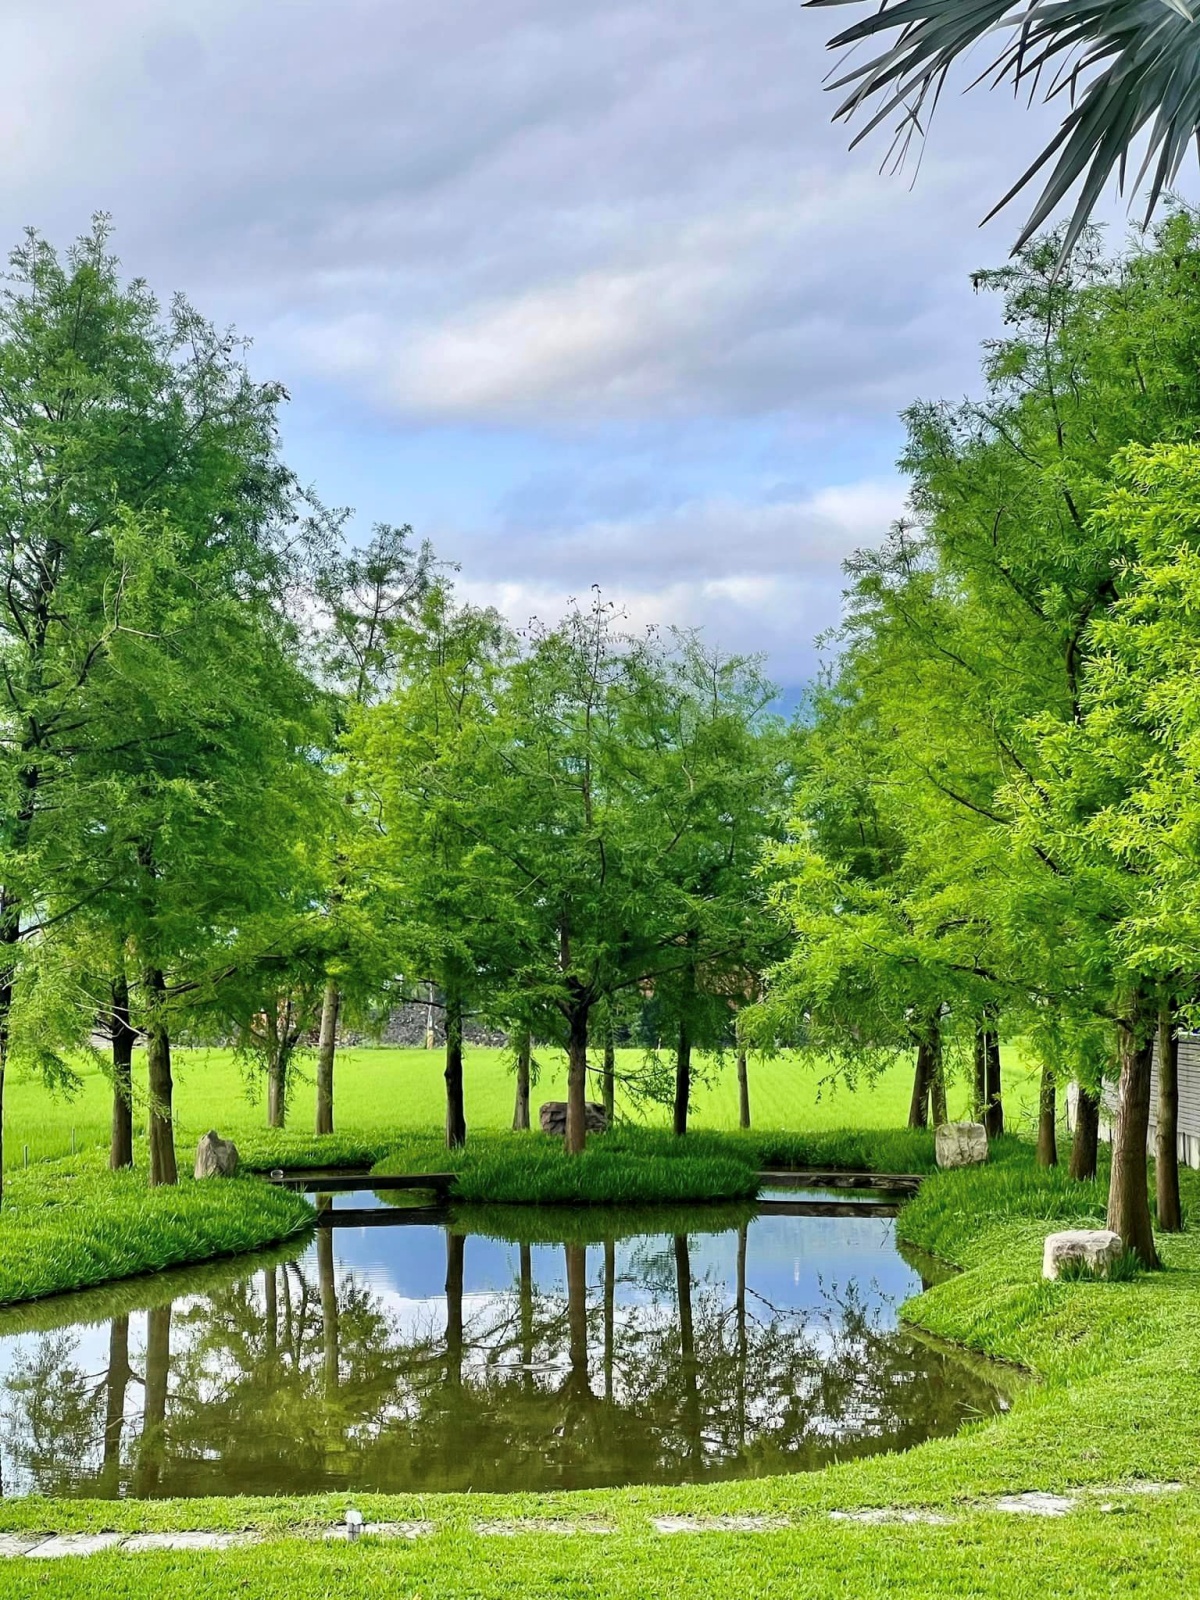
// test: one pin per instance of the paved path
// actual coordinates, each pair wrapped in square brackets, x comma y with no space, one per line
[1032,1503]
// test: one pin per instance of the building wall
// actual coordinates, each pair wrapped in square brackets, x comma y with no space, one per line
[1189,1102]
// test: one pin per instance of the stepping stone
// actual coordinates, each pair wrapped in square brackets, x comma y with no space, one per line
[1145,1486]
[19,1544]
[508,1530]
[74,1544]
[384,1530]
[1036,1504]
[197,1539]
[876,1516]
[727,1524]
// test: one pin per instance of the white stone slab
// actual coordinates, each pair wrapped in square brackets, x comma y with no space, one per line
[878,1515]
[384,1530]
[1036,1504]
[194,1539]
[19,1544]
[74,1544]
[726,1524]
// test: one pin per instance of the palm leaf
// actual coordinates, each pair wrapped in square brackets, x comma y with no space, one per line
[1124,67]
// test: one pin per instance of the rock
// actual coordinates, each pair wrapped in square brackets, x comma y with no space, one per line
[1094,1248]
[216,1157]
[553,1117]
[961,1144]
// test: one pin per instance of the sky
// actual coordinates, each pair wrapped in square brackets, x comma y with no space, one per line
[588,294]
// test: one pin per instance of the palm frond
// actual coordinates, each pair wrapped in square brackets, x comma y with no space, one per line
[1124,67]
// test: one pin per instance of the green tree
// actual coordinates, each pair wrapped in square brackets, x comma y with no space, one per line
[135,452]
[368,600]
[428,759]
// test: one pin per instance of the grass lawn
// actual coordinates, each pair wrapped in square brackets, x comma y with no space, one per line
[71,1224]
[382,1092]
[1116,1412]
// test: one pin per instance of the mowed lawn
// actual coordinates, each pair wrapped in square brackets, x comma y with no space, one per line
[401,1089]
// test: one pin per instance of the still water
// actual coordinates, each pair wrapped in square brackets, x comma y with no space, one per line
[430,1355]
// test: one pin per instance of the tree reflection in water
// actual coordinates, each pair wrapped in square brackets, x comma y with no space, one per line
[304,1376]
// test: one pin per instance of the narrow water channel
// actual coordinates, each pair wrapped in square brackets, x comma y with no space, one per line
[437,1355]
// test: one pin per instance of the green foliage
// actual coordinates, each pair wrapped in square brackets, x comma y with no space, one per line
[1131,66]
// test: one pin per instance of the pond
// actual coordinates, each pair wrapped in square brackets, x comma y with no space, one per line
[431,1354]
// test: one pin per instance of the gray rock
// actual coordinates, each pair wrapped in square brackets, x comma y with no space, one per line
[961,1144]
[1095,1248]
[216,1157]
[553,1117]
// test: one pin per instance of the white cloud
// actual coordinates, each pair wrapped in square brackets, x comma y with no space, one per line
[758,579]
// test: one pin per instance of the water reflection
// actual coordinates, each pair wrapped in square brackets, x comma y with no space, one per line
[419,1357]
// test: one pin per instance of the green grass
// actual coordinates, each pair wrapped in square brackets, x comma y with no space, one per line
[382,1094]
[71,1224]
[631,1166]
[1117,1401]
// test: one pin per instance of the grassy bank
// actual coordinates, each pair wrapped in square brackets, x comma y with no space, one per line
[632,1166]
[383,1093]
[1113,1414]
[71,1224]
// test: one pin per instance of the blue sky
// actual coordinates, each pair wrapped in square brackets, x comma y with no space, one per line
[587,294]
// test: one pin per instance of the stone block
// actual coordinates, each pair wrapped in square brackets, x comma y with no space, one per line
[1095,1248]
[553,1117]
[216,1157]
[961,1144]
[74,1544]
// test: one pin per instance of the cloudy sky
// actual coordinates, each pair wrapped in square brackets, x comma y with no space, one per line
[586,292]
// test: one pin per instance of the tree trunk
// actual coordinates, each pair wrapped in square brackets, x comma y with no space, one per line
[456,1116]
[577,1340]
[152,1446]
[1047,1137]
[525,1302]
[276,1086]
[158,1060]
[993,1116]
[743,1078]
[1166,1147]
[609,1076]
[918,1108]
[683,1081]
[1128,1202]
[10,933]
[937,1086]
[687,1349]
[521,1109]
[577,1032]
[120,1150]
[979,1081]
[331,1006]
[115,1389]
[271,1313]
[330,1330]
[1085,1144]
[455,1263]
[610,1314]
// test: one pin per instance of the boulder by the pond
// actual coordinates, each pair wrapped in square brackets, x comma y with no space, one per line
[216,1157]
[1094,1249]
[960,1144]
[553,1117]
